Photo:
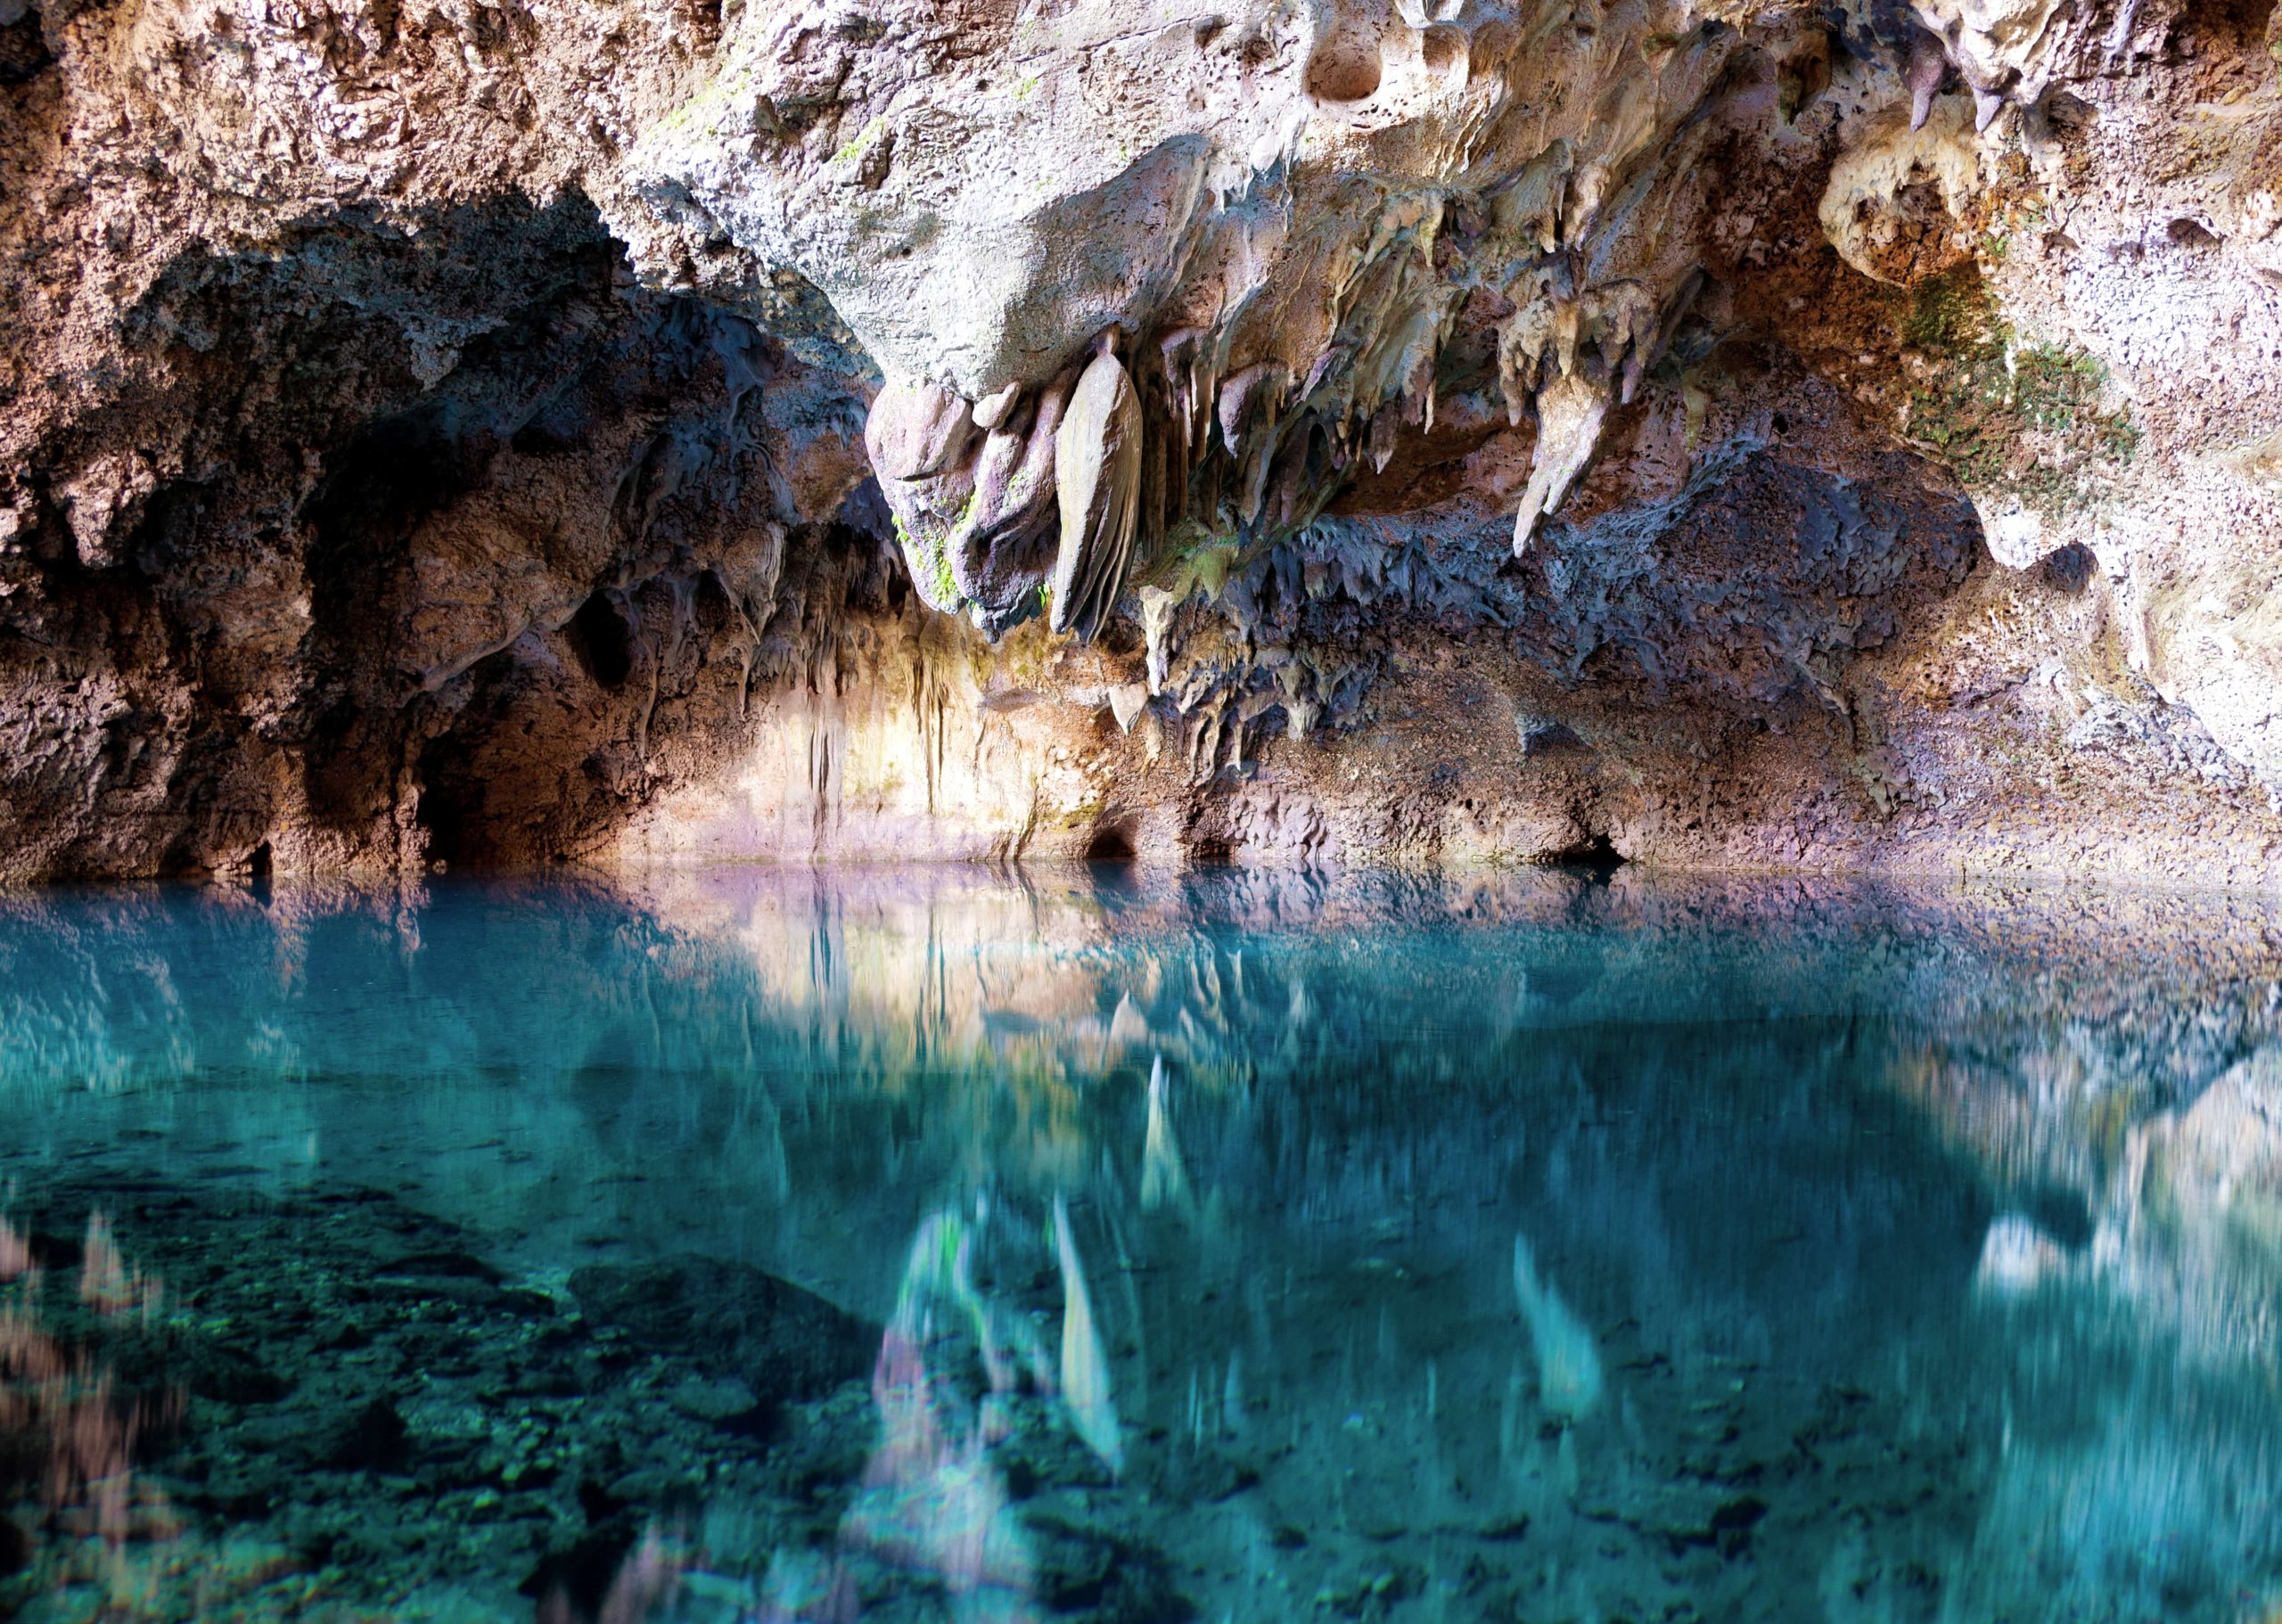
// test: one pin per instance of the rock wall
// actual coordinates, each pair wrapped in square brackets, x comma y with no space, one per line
[1728,433]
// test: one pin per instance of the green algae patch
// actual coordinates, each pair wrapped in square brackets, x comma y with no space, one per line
[930,562]
[1197,556]
[854,150]
[2009,416]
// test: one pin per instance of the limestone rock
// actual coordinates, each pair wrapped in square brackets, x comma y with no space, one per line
[506,433]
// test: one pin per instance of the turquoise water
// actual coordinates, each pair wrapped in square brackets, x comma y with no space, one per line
[769,1246]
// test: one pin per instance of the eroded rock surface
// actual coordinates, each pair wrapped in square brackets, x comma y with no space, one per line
[1728,432]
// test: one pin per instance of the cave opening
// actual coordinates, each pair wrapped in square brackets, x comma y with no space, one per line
[602,636]
[449,811]
[2211,31]
[1596,858]
[1111,846]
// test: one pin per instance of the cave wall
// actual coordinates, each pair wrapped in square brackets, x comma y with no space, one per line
[1725,434]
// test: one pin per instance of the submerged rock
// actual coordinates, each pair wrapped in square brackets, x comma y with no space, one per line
[785,1344]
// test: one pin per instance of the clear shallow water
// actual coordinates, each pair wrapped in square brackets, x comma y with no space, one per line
[774,1246]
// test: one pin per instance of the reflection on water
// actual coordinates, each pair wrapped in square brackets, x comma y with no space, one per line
[749,1246]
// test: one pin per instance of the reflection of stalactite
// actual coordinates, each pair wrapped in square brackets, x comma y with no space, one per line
[1569,1365]
[1164,1175]
[931,1503]
[66,1407]
[1085,1366]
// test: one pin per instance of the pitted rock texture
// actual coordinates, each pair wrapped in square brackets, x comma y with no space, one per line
[1731,433]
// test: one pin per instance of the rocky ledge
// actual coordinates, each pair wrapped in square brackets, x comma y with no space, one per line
[1702,432]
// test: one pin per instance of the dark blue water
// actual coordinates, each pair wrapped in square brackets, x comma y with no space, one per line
[750,1246]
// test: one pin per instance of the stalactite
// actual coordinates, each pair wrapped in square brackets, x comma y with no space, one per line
[1097,466]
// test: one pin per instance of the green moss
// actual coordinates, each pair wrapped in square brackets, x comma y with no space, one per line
[1085,815]
[864,137]
[1195,556]
[2009,416]
[930,566]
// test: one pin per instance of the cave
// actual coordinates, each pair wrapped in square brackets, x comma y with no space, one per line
[1371,809]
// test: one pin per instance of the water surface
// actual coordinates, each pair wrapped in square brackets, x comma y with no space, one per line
[770,1246]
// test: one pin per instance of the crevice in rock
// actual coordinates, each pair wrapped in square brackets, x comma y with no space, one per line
[450,807]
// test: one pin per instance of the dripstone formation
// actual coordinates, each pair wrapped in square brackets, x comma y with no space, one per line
[1728,433]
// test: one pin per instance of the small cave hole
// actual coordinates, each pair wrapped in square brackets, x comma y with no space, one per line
[1444,49]
[1345,67]
[2191,234]
[259,863]
[1111,845]
[603,640]
[2067,115]
[2069,569]
[1597,857]
[2221,30]
[1782,421]
[24,54]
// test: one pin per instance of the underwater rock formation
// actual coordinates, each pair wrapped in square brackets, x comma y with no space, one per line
[474,433]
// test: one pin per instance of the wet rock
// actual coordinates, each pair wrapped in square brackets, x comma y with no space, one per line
[572,1579]
[1207,1476]
[1733,1521]
[1086,1573]
[724,1403]
[440,1265]
[1043,1451]
[1374,1593]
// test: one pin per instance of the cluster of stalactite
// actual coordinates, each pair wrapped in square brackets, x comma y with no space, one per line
[1218,420]
[1055,499]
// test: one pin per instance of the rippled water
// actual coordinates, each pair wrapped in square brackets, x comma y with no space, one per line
[737,1246]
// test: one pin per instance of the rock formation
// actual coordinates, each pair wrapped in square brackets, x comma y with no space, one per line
[1720,431]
